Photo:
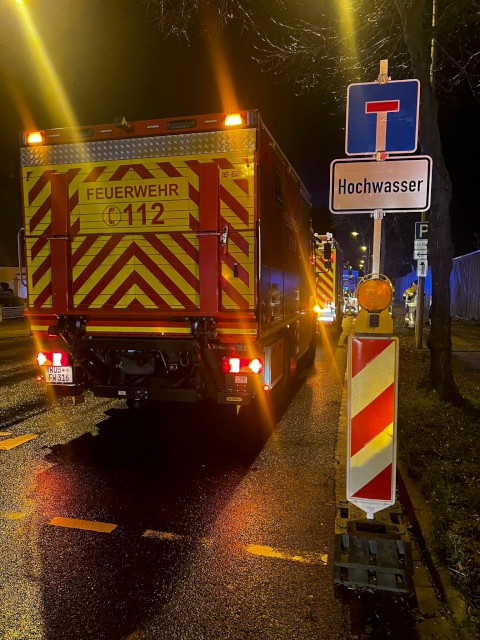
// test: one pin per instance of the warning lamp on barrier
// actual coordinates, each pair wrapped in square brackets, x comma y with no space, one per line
[374,295]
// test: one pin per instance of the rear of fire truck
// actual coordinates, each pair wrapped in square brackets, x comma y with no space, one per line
[328,275]
[167,259]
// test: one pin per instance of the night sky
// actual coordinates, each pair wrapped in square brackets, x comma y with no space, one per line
[111,60]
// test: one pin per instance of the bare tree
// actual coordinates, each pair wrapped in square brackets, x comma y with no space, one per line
[326,45]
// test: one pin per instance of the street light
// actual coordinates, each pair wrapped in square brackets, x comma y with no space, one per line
[364,247]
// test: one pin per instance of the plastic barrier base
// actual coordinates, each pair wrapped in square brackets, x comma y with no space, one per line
[373,554]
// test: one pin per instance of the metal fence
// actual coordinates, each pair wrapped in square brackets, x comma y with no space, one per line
[464,286]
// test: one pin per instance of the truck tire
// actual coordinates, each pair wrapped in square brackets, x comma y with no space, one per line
[281,391]
[308,358]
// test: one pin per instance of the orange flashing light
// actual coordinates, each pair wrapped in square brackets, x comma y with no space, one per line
[234,119]
[35,137]
[374,295]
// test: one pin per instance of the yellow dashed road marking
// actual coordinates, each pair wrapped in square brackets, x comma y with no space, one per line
[5,433]
[254,549]
[270,552]
[12,515]
[162,535]
[11,443]
[263,551]
[87,525]
[136,635]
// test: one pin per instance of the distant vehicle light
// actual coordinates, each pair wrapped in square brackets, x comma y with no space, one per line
[374,295]
[234,119]
[36,137]
[55,359]
[234,364]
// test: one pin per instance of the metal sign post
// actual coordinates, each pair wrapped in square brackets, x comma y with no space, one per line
[377,215]
[421,236]
[382,118]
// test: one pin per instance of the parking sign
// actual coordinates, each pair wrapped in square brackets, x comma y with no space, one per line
[421,230]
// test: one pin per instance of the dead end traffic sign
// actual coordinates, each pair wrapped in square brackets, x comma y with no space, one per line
[382,117]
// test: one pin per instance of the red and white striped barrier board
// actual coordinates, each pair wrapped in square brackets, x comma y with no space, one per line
[372,422]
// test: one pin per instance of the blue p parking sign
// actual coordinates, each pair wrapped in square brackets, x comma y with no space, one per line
[421,230]
[382,117]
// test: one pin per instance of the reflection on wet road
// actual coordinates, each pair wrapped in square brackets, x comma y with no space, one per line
[168,523]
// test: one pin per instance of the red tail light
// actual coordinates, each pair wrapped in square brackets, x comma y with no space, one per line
[53,358]
[241,365]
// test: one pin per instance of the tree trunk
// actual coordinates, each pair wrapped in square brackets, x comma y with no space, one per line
[440,246]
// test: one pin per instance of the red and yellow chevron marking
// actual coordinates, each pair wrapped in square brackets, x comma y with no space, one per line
[95,187]
[134,231]
[325,287]
[373,364]
[39,273]
[135,272]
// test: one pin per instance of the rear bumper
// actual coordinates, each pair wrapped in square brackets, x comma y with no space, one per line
[230,397]
[156,395]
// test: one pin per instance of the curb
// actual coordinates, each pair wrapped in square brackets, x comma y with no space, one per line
[421,518]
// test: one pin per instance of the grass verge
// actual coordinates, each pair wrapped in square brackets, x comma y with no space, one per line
[440,445]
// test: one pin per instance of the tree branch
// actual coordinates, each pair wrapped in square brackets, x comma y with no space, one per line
[450,18]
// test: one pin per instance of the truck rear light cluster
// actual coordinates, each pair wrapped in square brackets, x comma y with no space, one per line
[242,365]
[55,359]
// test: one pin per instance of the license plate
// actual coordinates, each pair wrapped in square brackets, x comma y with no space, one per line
[59,375]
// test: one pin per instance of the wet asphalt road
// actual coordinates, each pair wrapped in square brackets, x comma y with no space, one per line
[205,527]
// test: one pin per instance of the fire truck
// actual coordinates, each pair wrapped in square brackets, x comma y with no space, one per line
[329,282]
[167,260]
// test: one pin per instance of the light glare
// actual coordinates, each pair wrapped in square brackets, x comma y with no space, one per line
[35,137]
[233,119]
[256,365]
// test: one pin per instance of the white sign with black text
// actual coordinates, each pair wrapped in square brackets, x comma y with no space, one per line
[399,184]
[420,249]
